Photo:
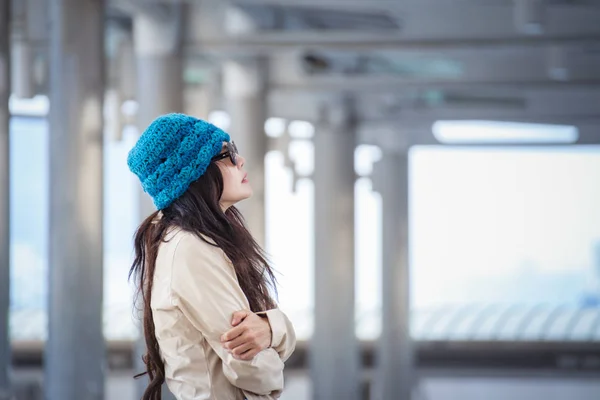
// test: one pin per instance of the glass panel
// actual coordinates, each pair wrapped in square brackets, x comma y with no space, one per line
[512,231]
[28,227]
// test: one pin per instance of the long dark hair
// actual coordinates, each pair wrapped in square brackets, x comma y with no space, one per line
[198,211]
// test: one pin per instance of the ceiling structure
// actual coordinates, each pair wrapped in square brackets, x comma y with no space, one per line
[410,61]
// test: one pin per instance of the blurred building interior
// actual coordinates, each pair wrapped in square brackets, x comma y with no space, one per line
[426,177]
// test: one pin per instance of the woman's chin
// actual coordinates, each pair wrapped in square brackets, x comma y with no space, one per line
[247,193]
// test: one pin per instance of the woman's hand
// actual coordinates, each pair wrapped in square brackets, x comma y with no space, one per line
[251,334]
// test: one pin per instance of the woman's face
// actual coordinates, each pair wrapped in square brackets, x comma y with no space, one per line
[236,186]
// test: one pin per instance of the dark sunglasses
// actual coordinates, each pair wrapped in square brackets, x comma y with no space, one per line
[231,152]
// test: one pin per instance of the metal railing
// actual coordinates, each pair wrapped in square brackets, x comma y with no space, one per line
[486,322]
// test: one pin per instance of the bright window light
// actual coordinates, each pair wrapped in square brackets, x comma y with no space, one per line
[220,118]
[480,132]
[37,106]
[365,156]
[301,129]
[302,152]
[275,127]
[130,108]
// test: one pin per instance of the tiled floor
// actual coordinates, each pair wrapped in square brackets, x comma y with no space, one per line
[120,386]
[298,388]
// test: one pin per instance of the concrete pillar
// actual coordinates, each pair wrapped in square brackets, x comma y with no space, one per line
[395,376]
[28,37]
[529,16]
[201,99]
[75,350]
[4,201]
[334,356]
[21,51]
[245,96]
[157,41]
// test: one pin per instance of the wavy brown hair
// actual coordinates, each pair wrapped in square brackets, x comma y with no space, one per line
[197,211]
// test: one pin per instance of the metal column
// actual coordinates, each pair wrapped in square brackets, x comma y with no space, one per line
[157,41]
[75,351]
[243,83]
[334,356]
[4,201]
[394,361]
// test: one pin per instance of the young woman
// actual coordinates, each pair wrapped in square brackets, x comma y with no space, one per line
[211,326]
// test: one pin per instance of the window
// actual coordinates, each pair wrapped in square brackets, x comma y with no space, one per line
[28,226]
[505,242]
[29,180]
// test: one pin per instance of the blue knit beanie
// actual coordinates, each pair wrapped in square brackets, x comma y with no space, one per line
[173,152]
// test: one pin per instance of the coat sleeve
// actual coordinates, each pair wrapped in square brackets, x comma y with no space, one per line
[282,333]
[205,289]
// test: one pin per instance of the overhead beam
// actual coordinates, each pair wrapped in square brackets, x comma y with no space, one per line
[361,4]
[132,7]
[495,64]
[389,84]
[398,136]
[557,105]
[392,71]
[411,118]
[488,113]
[353,4]
[265,43]
[427,24]
[417,124]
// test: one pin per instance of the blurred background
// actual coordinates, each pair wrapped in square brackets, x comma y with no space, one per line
[426,175]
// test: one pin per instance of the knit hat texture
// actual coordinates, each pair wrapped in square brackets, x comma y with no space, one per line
[173,152]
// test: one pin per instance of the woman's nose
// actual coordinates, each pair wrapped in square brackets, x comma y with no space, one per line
[240,161]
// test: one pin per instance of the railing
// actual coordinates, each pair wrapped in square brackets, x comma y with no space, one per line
[491,322]
[564,339]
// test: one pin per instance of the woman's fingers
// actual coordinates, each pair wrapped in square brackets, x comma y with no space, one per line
[233,333]
[239,316]
[246,340]
[239,351]
[250,354]
[238,341]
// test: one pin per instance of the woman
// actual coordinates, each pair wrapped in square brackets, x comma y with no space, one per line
[211,327]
